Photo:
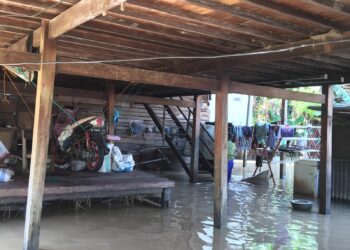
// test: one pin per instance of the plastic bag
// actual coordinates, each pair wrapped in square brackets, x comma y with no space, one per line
[117,154]
[136,127]
[3,151]
[65,134]
[78,165]
[123,167]
[62,166]
[107,161]
[128,158]
[6,175]
[122,163]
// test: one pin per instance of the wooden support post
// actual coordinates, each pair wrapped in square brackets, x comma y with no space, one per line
[246,123]
[111,104]
[326,152]
[41,134]
[24,153]
[220,152]
[196,134]
[165,198]
[284,118]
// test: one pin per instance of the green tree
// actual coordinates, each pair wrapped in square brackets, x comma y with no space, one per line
[268,109]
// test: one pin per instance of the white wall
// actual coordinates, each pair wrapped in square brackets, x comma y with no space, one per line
[237,109]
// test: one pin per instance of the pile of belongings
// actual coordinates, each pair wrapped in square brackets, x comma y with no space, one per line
[6,174]
[8,159]
[120,162]
[116,161]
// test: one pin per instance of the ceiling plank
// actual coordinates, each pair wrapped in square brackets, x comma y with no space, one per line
[305,47]
[188,16]
[217,6]
[297,14]
[333,4]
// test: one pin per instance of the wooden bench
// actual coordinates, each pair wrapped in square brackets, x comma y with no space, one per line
[81,185]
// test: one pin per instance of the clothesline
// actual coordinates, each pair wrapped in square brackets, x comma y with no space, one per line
[248,137]
[296,127]
[300,138]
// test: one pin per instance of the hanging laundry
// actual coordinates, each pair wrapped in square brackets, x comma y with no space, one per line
[274,133]
[247,138]
[287,131]
[261,131]
[243,138]
[247,131]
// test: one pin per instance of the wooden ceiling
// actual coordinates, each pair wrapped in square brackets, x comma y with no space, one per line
[158,28]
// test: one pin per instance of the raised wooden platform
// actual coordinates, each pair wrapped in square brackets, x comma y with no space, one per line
[91,185]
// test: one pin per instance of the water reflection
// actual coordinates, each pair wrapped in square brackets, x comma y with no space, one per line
[262,218]
[258,218]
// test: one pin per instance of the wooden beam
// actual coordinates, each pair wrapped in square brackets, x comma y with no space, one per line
[115,72]
[41,135]
[112,72]
[78,14]
[156,101]
[196,133]
[10,57]
[220,152]
[21,45]
[326,152]
[111,103]
[283,52]
[98,97]
[256,90]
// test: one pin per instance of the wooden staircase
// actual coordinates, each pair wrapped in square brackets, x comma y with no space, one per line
[206,154]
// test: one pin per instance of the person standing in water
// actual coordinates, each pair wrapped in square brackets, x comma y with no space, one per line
[231,149]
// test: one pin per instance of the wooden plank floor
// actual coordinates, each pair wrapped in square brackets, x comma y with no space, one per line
[88,185]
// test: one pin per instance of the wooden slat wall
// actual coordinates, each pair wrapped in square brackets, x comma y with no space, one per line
[128,112]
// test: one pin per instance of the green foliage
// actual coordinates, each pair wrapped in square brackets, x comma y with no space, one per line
[268,109]
[300,113]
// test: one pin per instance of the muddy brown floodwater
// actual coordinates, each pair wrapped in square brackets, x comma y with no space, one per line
[258,218]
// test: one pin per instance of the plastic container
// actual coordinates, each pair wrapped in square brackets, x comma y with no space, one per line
[230,165]
[302,205]
[306,176]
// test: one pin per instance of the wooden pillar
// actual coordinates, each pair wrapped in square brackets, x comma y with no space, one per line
[246,123]
[111,104]
[284,118]
[196,133]
[24,153]
[41,133]
[220,152]
[326,152]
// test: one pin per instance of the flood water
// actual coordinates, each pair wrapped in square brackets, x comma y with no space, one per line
[258,218]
